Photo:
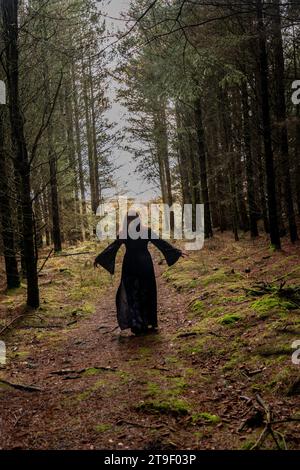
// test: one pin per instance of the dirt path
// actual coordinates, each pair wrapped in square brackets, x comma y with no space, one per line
[91,408]
[191,386]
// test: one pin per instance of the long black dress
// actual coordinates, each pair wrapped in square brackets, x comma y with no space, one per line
[137,296]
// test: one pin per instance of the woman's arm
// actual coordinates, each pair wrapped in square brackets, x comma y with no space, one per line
[107,258]
[170,253]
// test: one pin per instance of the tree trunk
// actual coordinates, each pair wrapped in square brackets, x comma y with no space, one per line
[269,159]
[281,115]
[203,168]
[94,138]
[161,137]
[249,163]
[52,158]
[89,138]
[79,155]
[38,221]
[10,28]
[76,235]
[257,150]
[233,187]
[11,265]
[186,198]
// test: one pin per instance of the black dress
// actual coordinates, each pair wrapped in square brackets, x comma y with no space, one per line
[137,296]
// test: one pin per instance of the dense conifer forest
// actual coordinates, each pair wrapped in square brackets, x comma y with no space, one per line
[211,96]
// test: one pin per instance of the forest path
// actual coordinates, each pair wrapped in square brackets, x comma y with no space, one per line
[192,385]
[90,379]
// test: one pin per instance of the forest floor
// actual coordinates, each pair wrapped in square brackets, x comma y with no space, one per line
[222,358]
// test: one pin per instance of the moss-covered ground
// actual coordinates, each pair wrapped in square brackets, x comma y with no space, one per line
[228,317]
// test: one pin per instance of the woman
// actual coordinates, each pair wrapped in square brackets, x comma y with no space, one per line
[137,297]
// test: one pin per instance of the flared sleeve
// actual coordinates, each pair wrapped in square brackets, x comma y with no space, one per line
[107,258]
[170,253]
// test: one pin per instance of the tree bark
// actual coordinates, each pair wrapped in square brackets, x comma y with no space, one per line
[10,29]
[89,138]
[269,159]
[79,154]
[94,138]
[203,168]
[186,198]
[52,158]
[281,116]
[7,229]
[161,138]
[249,163]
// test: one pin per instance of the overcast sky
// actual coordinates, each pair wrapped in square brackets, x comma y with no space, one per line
[125,177]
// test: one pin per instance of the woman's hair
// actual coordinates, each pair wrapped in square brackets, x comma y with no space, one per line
[131,216]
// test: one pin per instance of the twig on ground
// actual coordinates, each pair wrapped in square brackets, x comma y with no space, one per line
[44,263]
[23,387]
[268,426]
[11,323]
[131,423]
[81,371]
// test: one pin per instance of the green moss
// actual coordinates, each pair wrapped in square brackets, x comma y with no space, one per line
[183,280]
[171,360]
[124,376]
[153,389]
[214,312]
[207,417]
[257,387]
[88,309]
[49,335]
[87,393]
[8,302]
[145,351]
[91,372]
[80,293]
[220,277]
[195,348]
[248,445]
[286,382]
[214,278]
[176,386]
[198,436]
[66,272]
[271,303]
[101,428]
[274,350]
[16,291]
[189,372]
[197,307]
[4,386]
[229,319]
[168,389]
[189,333]
[171,406]
[225,300]
[20,354]
[235,359]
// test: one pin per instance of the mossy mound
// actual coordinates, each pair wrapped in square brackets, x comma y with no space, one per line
[229,319]
[206,417]
[272,304]
[174,407]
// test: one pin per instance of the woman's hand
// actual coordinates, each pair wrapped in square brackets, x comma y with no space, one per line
[184,254]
